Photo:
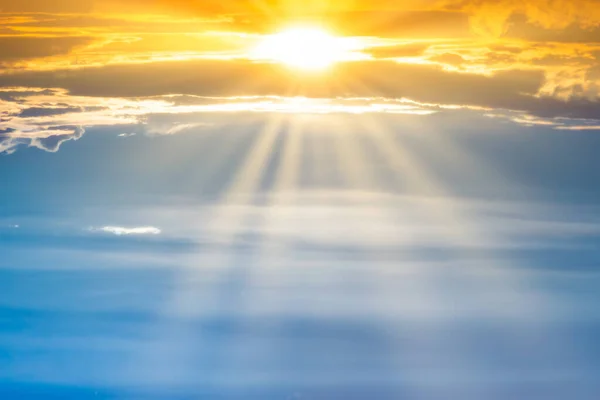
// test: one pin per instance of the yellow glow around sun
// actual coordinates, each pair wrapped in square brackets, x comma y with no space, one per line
[305,48]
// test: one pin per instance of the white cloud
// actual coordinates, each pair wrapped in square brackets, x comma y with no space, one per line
[121,231]
[47,118]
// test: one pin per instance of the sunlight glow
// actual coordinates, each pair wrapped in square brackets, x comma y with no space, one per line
[306,48]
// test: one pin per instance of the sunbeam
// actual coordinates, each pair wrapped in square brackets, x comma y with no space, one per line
[464,237]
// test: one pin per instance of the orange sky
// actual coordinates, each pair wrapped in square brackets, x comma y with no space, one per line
[536,58]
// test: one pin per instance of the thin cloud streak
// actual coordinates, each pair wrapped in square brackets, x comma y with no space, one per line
[123,231]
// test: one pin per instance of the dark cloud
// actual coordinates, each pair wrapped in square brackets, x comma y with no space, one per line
[17,47]
[18,95]
[6,131]
[514,89]
[53,6]
[52,111]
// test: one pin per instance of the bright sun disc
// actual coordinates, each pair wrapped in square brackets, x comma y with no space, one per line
[304,48]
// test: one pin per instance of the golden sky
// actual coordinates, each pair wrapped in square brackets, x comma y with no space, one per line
[538,58]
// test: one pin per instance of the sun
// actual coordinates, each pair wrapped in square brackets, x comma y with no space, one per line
[305,48]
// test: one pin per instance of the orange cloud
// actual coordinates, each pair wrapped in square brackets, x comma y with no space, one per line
[493,17]
[19,47]
[487,16]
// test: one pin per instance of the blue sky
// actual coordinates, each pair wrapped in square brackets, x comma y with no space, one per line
[238,258]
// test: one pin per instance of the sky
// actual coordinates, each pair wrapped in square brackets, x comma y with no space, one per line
[298,200]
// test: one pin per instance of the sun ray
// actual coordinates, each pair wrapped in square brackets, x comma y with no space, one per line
[466,238]
[494,289]
[248,179]
[232,279]
[465,234]
[353,162]
[287,178]
[447,150]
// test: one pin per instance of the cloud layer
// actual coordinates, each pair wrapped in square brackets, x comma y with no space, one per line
[47,118]
[109,63]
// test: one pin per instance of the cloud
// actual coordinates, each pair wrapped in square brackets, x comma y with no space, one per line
[385,17]
[52,143]
[123,231]
[40,124]
[45,119]
[41,6]
[580,128]
[493,17]
[448,58]
[516,89]
[400,22]
[348,221]
[49,140]
[48,45]
[17,47]
[244,78]
[52,111]
[174,127]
